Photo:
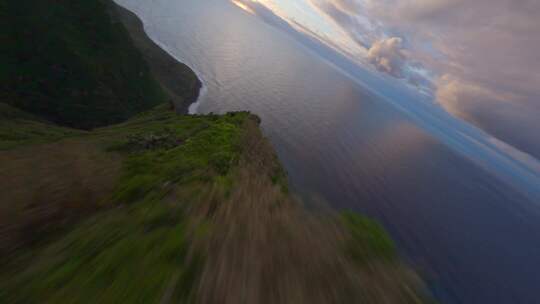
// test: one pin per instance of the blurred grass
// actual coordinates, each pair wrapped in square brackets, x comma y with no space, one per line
[198,211]
[206,148]
[131,253]
[123,256]
[367,239]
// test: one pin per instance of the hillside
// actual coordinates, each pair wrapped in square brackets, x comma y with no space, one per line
[179,208]
[73,63]
[177,80]
[160,207]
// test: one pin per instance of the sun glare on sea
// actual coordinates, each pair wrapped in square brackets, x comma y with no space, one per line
[243,6]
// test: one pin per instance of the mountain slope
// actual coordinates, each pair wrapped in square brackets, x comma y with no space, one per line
[71,63]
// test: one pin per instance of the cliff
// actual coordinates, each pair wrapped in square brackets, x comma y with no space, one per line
[167,208]
[75,64]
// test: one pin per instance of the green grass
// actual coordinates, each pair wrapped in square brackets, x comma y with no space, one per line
[206,148]
[136,252]
[367,239]
[68,61]
[20,128]
[123,256]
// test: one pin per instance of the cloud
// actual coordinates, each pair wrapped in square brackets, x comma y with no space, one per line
[489,71]
[348,6]
[387,56]
[347,15]
[480,58]
[492,43]
[450,92]
[501,114]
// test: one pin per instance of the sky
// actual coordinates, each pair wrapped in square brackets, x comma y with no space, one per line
[477,59]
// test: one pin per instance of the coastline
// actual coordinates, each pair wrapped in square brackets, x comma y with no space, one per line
[179,81]
[176,208]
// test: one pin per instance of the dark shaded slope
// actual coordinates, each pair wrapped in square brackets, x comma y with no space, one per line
[177,79]
[69,62]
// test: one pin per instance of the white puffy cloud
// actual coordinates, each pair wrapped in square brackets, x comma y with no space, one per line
[387,56]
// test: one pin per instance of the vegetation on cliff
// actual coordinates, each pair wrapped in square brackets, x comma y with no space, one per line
[171,208]
[139,238]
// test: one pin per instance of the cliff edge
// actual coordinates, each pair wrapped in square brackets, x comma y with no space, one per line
[105,201]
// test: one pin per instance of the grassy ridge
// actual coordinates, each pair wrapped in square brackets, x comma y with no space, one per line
[196,213]
[131,254]
[69,62]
